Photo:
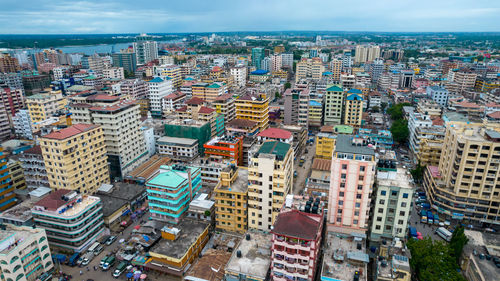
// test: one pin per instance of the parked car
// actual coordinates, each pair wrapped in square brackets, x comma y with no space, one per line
[110,240]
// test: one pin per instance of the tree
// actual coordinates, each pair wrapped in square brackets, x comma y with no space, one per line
[457,242]
[433,260]
[375,109]
[399,130]
[277,95]
[288,85]
[418,173]
[383,105]
[396,111]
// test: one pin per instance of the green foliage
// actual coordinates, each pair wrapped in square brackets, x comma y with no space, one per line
[433,261]
[418,173]
[375,109]
[399,130]
[396,111]
[207,213]
[457,242]
[383,105]
[128,74]
[277,95]
[297,54]
[288,85]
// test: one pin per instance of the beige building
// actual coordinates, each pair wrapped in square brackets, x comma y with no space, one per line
[309,68]
[43,105]
[465,185]
[270,179]
[254,108]
[75,158]
[231,197]
[429,107]
[24,254]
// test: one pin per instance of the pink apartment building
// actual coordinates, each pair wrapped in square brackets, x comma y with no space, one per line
[296,239]
[351,181]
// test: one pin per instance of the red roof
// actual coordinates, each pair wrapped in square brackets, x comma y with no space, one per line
[241,123]
[298,225]
[103,97]
[114,107]
[182,109]
[467,104]
[70,131]
[206,110]
[438,121]
[321,164]
[195,101]
[494,115]
[224,97]
[216,68]
[492,104]
[53,200]
[174,95]
[34,150]
[275,133]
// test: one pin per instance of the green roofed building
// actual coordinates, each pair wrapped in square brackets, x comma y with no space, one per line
[191,129]
[270,180]
[171,190]
[334,98]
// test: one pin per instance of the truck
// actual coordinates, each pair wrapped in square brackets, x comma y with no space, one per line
[423,216]
[436,219]
[430,217]
[302,160]
[73,259]
[425,206]
[109,263]
[413,232]
[120,269]
[59,258]
[444,233]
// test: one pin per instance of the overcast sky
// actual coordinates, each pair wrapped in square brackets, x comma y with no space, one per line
[136,16]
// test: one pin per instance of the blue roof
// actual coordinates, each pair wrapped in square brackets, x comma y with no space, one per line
[156,80]
[334,88]
[188,79]
[259,72]
[354,91]
[314,103]
[354,97]
[327,73]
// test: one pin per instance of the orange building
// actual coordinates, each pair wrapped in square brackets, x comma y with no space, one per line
[225,147]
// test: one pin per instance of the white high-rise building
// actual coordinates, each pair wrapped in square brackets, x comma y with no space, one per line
[239,74]
[158,89]
[287,60]
[366,53]
[22,124]
[145,49]
[113,73]
[276,62]
[266,64]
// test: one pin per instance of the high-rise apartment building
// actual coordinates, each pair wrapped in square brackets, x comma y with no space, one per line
[72,221]
[12,99]
[392,202]
[347,81]
[366,53]
[231,196]
[170,72]
[121,125]
[34,169]
[353,110]
[136,89]
[207,92]
[460,80]
[7,195]
[253,107]
[287,60]
[257,57]
[8,64]
[351,182]
[276,62]
[25,254]
[75,158]
[296,106]
[5,128]
[225,105]
[239,74]
[171,190]
[270,179]
[44,105]
[12,80]
[146,49]
[334,99]
[465,186]
[125,59]
[22,124]
[158,89]
[309,68]
[336,69]
[113,73]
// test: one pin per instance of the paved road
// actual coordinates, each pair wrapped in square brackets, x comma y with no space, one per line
[304,171]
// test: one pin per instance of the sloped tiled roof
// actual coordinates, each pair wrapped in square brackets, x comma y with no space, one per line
[296,224]
[206,110]
[70,131]
[275,133]
[321,164]
[195,101]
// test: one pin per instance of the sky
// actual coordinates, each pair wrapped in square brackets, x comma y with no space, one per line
[172,16]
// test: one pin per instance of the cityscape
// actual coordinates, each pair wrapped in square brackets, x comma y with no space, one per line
[294,155]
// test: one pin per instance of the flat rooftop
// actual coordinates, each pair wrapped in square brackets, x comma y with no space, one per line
[240,184]
[209,267]
[277,148]
[110,204]
[123,190]
[345,144]
[20,212]
[148,168]
[13,236]
[342,258]
[255,256]
[174,140]
[57,202]
[189,232]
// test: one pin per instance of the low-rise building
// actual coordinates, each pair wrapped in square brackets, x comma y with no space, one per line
[231,195]
[72,221]
[16,172]
[318,183]
[179,247]
[181,149]
[225,148]
[25,254]
[393,262]
[345,257]
[325,144]
[251,259]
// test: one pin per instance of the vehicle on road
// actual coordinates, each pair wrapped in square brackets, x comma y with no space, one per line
[430,217]
[436,219]
[120,269]
[295,174]
[109,263]
[93,247]
[413,232]
[423,216]
[98,250]
[89,256]
[103,261]
[444,233]
[73,259]
[110,240]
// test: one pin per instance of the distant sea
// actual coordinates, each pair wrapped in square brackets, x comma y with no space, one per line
[92,49]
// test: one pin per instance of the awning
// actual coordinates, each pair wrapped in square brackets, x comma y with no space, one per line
[126,212]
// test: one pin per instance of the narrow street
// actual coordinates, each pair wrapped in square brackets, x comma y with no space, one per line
[304,171]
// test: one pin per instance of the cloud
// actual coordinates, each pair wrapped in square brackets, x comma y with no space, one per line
[132,16]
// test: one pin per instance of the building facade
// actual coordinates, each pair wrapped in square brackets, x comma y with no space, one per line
[231,197]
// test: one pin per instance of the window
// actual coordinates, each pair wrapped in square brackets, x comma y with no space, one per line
[379,218]
[361,178]
[358,205]
[394,193]
[362,168]
[360,187]
[381,201]
[342,176]
[402,213]
[383,192]
[339,219]
[355,221]
[344,166]
[380,210]
[405,195]
[341,194]
[17,267]
[339,211]
[358,196]
[341,202]
[377,227]
[403,204]
[14,259]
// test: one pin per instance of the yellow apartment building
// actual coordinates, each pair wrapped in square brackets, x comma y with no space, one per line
[75,158]
[325,144]
[270,180]
[43,105]
[353,111]
[254,108]
[206,91]
[430,152]
[231,195]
